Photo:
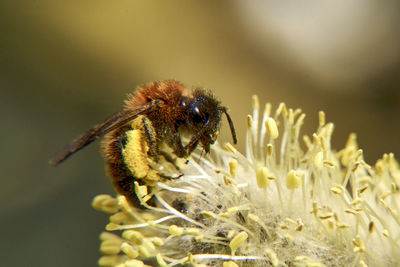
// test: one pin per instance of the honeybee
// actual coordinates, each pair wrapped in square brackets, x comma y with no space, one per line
[156,114]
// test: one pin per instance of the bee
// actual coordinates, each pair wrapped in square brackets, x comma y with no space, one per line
[155,115]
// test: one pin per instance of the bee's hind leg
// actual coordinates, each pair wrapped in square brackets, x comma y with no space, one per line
[151,138]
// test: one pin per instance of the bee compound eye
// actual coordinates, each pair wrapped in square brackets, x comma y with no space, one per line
[197,116]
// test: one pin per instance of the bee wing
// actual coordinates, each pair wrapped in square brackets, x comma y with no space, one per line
[115,121]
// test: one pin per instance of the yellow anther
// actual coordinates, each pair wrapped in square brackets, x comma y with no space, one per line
[118,218]
[385,194]
[255,102]
[291,221]
[208,214]
[356,202]
[175,230]
[108,236]
[148,244]
[336,190]
[319,159]
[272,128]
[300,120]
[129,250]
[342,225]
[362,189]
[134,263]
[143,251]
[296,112]
[351,211]
[232,210]
[134,236]
[291,116]
[364,179]
[192,231]
[229,264]
[264,177]
[237,241]
[272,257]
[321,116]
[331,224]
[302,258]
[316,139]
[229,147]
[359,155]
[358,245]
[160,261]
[105,203]
[198,238]
[109,260]
[293,180]
[233,167]
[109,249]
[111,242]
[112,227]
[300,225]
[385,232]
[281,110]
[158,241]
[371,227]
[249,122]
[314,208]
[380,167]
[326,215]
[267,109]
[269,149]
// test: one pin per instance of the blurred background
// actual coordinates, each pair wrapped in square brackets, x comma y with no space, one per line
[68,65]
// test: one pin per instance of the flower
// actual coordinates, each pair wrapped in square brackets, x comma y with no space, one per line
[278,205]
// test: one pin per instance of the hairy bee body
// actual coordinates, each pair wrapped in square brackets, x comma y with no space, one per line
[156,114]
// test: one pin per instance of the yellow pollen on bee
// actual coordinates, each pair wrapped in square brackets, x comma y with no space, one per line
[135,154]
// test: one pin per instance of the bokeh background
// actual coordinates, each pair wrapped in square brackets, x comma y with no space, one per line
[67,65]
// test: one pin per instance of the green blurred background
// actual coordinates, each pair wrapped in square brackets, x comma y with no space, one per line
[67,65]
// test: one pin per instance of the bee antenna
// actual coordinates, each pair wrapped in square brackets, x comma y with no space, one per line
[233,132]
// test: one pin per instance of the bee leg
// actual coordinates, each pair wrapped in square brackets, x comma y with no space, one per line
[179,149]
[169,177]
[166,167]
[170,158]
[151,137]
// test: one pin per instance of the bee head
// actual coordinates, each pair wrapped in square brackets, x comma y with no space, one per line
[204,118]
